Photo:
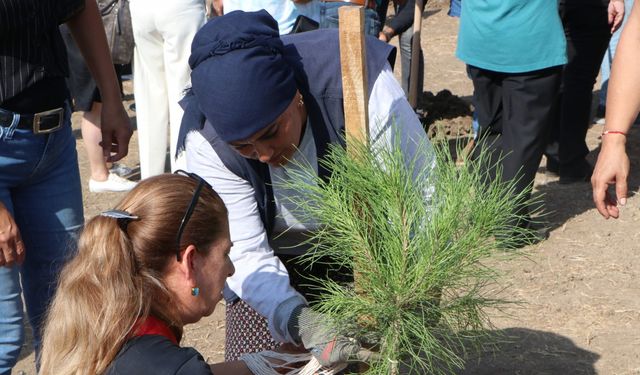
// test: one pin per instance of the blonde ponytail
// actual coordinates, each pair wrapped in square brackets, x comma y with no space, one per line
[116,277]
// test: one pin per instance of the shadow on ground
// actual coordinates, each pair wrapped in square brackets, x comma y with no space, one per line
[562,202]
[522,351]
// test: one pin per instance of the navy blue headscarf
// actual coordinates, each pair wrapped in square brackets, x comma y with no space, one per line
[239,77]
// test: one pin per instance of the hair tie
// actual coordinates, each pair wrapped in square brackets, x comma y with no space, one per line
[122,217]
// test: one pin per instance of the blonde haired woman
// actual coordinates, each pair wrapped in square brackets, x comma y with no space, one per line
[142,271]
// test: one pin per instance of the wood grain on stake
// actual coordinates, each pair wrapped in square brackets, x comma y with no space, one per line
[354,73]
[415,55]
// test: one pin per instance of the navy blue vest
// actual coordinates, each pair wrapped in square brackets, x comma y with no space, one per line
[315,59]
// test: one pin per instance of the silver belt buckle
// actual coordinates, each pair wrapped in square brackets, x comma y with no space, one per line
[38,117]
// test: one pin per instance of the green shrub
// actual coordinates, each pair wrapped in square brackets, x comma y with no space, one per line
[418,242]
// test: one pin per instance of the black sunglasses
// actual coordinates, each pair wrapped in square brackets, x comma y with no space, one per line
[191,207]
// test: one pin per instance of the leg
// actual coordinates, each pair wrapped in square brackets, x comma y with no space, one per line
[49,214]
[529,101]
[149,86]
[406,48]
[179,25]
[487,100]
[587,31]
[41,181]
[92,137]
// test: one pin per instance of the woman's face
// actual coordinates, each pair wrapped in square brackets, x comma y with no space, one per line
[212,270]
[276,143]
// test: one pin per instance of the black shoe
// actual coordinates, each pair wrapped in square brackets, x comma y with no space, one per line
[580,172]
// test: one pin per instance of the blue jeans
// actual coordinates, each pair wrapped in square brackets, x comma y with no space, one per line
[329,17]
[605,68]
[40,186]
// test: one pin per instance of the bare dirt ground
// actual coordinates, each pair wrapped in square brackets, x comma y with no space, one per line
[579,291]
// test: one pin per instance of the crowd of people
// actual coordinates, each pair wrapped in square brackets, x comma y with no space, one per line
[241,101]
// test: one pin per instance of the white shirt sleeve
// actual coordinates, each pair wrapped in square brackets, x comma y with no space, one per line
[392,120]
[261,280]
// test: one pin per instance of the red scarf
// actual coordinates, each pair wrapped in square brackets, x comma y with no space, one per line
[154,326]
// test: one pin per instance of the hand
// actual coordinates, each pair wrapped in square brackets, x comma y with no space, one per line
[611,168]
[217,8]
[616,14]
[116,130]
[11,245]
[316,333]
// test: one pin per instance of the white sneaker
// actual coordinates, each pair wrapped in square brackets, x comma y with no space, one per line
[112,183]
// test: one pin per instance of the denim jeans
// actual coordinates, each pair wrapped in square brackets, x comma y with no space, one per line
[329,17]
[605,68]
[40,186]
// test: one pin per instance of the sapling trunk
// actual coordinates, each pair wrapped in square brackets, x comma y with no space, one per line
[419,230]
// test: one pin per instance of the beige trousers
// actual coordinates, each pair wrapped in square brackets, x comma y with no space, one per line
[163,31]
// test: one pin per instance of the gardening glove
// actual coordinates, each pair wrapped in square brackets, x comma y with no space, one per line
[315,332]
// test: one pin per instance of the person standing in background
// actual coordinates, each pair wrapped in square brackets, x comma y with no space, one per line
[40,192]
[86,98]
[402,26]
[588,25]
[514,51]
[163,32]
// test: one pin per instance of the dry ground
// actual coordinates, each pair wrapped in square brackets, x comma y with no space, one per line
[579,290]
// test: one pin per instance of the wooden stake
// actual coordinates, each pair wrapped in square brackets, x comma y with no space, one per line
[415,55]
[355,93]
[354,73]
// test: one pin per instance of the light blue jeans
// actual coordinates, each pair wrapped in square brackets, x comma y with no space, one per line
[329,17]
[40,186]
[605,68]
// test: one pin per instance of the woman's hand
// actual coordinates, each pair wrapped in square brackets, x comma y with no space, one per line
[616,14]
[11,245]
[612,168]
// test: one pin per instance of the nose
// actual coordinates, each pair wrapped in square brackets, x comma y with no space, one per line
[232,268]
[264,152]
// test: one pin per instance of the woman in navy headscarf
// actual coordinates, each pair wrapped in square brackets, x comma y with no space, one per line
[260,103]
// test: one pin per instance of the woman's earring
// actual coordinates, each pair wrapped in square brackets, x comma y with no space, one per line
[195,291]
[300,100]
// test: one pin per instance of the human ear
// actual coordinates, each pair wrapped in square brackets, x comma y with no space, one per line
[187,265]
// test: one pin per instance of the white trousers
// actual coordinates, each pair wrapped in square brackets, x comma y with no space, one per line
[163,31]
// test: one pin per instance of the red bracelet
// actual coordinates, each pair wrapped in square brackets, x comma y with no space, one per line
[613,132]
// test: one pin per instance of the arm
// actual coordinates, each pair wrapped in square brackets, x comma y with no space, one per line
[260,279]
[11,245]
[390,117]
[88,32]
[623,104]
[401,22]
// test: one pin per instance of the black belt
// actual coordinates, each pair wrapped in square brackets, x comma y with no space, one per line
[39,123]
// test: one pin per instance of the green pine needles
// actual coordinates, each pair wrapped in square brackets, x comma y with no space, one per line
[418,242]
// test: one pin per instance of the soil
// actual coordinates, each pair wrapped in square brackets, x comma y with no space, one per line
[578,291]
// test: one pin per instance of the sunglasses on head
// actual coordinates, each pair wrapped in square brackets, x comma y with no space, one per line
[191,207]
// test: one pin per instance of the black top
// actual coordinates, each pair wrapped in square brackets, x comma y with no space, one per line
[33,60]
[157,355]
